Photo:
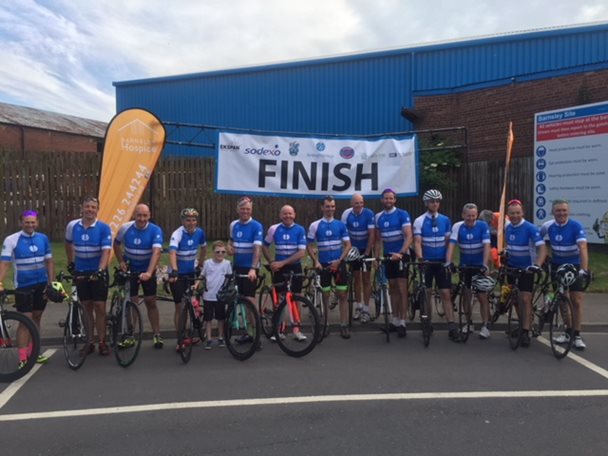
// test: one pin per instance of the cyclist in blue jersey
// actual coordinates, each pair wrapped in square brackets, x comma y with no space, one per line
[30,254]
[393,239]
[431,234]
[331,237]
[289,241]
[187,248]
[525,250]
[473,238]
[140,244]
[88,244]
[359,221]
[245,245]
[568,243]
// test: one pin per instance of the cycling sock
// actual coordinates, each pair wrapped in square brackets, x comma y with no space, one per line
[23,354]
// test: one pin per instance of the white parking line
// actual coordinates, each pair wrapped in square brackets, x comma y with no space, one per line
[302,400]
[582,361]
[15,386]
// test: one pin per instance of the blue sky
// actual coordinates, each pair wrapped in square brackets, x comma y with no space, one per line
[63,56]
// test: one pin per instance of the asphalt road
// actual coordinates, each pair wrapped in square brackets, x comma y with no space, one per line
[356,397]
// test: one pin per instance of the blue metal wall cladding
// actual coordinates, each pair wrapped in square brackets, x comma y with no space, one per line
[358,94]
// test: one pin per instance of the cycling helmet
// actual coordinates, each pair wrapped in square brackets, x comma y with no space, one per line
[55,292]
[566,274]
[432,194]
[189,212]
[227,293]
[353,254]
[483,283]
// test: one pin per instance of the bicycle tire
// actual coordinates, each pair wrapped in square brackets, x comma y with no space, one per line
[76,337]
[322,311]
[425,321]
[386,313]
[514,326]
[438,303]
[266,311]
[9,350]
[558,326]
[464,316]
[185,331]
[306,322]
[126,344]
[350,298]
[242,329]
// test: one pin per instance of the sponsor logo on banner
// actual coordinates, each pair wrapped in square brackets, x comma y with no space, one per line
[293,148]
[320,146]
[137,137]
[230,147]
[263,152]
[347,152]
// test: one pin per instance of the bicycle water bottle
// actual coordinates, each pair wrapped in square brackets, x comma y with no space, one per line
[504,292]
[196,304]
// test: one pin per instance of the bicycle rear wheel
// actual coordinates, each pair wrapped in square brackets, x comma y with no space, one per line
[242,329]
[10,364]
[465,306]
[76,337]
[425,321]
[186,331]
[266,311]
[127,331]
[297,327]
[561,332]
[514,327]
[438,303]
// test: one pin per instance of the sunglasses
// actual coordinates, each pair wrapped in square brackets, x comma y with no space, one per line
[220,251]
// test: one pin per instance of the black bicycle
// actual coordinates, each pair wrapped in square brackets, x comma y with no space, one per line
[190,321]
[76,326]
[418,300]
[125,328]
[18,336]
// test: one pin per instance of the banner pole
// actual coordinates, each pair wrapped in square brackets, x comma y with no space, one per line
[503,196]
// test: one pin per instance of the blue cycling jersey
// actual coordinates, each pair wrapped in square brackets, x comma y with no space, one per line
[564,240]
[522,240]
[245,236]
[390,225]
[471,241]
[434,231]
[186,245]
[29,253]
[139,244]
[329,236]
[287,240]
[89,243]
[358,226]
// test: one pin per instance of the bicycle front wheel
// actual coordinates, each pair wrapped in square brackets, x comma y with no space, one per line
[514,326]
[266,311]
[561,332]
[465,305]
[185,331]
[242,329]
[425,320]
[127,331]
[12,366]
[76,337]
[297,326]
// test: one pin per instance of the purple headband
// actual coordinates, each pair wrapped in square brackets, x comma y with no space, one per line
[29,213]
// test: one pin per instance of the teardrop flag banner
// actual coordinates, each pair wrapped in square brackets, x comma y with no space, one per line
[503,196]
[134,141]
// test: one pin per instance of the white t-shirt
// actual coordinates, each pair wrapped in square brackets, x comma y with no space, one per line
[214,272]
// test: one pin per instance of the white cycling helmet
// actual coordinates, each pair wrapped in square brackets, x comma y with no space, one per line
[432,194]
[567,274]
[483,283]
[353,254]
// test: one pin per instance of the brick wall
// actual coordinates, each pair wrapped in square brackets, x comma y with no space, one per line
[486,113]
[16,138]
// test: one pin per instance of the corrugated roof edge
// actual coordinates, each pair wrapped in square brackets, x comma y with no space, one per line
[47,120]
[433,46]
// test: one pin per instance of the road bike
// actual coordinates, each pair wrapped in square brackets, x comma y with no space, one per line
[314,293]
[381,295]
[190,320]
[76,326]
[418,300]
[18,333]
[290,319]
[124,323]
[242,326]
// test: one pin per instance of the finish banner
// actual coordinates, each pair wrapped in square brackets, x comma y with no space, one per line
[312,167]
[134,141]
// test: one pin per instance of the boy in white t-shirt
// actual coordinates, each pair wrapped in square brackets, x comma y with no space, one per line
[214,271]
